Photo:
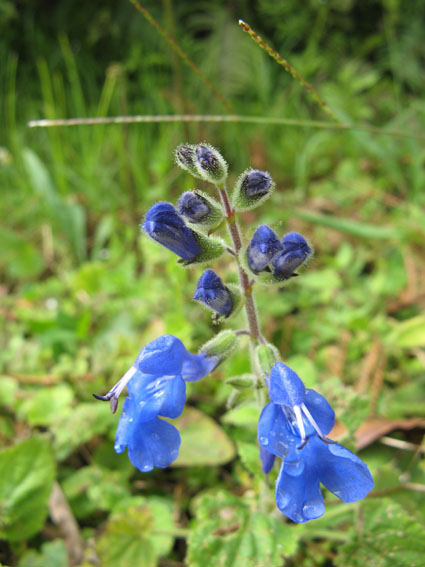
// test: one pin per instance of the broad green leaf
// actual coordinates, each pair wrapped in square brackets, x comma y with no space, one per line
[81,425]
[245,415]
[409,333]
[138,536]
[227,533]
[388,537]
[91,488]
[203,441]
[27,471]
[53,554]
[249,454]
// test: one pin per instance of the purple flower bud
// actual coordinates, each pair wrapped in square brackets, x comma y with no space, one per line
[213,293]
[295,252]
[210,163]
[192,206]
[186,157]
[263,248]
[256,183]
[295,241]
[163,224]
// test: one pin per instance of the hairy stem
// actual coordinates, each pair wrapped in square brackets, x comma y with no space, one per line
[246,285]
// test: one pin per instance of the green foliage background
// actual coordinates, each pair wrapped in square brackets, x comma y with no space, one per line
[82,290]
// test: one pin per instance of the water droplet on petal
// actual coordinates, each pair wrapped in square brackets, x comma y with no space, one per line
[313,509]
[294,468]
[146,468]
[264,440]
[155,436]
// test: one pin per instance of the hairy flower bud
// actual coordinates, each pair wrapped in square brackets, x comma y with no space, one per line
[210,164]
[163,224]
[263,247]
[198,208]
[186,158]
[256,183]
[221,346]
[213,293]
[252,188]
[265,357]
[295,252]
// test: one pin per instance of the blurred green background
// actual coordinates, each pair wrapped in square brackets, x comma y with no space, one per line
[82,291]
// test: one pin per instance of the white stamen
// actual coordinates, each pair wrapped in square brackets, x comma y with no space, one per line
[121,384]
[300,422]
[312,420]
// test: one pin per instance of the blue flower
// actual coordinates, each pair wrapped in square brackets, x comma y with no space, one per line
[213,293]
[263,247]
[193,207]
[267,460]
[295,252]
[294,426]
[256,183]
[156,384]
[163,224]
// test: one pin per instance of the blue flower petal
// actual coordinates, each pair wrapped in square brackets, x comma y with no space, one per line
[286,387]
[298,493]
[157,395]
[163,224]
[342,472]
[213,293]
[267,460]
[274,431]
[125,425]
[321,411]
[196,366]
[263,247]
[157,444]
[163,355]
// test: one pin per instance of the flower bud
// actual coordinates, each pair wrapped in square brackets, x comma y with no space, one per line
[186,158]
[252,188]
[265,357]
[213,293]
[263,248]
[210,164]
[295,252]
[198,208]
[242,381]
[163,224]
[221,346]
[256,183]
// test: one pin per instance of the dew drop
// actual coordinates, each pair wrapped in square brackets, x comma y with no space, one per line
[264,440]
[313,509]
[294,468]
[155,436]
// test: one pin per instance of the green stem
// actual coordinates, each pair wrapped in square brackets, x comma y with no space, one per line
[250,310]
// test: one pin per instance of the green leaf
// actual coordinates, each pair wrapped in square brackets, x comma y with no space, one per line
[249,454]
[138,536]
[203,441]
[409,333]
[27,472]
[81,425]
[227,533]
[53,554]
[244,415]
[389,537]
